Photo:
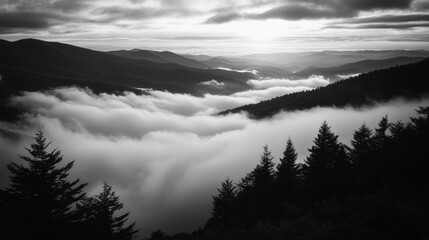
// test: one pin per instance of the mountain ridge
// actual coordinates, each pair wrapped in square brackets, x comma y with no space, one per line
[407,81]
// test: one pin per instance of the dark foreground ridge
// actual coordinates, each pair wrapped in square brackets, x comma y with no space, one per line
[376,188]
[408,81]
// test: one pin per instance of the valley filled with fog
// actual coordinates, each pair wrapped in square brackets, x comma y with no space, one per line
[203,120]
[166,153]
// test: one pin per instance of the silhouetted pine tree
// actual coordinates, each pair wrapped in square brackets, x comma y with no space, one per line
[40,196]
[262,175]
[361,157]
[264,171]
[99,214]
[362,145]
[288,173]
[255,196]
[326,167]
[158,235]
[223,201]
[380,136]
[421,123]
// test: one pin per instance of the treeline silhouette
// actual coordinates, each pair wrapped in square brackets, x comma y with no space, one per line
[42,203]
[378,188]
[406,81]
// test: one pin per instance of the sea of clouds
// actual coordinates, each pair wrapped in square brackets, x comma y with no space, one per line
[164,153]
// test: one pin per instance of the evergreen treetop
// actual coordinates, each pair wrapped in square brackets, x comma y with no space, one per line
[99,212]
[43,182]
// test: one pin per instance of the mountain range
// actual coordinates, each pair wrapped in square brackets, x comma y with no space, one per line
[160,57]
[35,65]
[31,64]
[408,81]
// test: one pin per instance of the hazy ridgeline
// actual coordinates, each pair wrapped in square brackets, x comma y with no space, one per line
[214,120]
[375,188]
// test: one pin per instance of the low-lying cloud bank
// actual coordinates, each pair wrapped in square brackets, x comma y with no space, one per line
[164,153]
[252,71]
[313,81]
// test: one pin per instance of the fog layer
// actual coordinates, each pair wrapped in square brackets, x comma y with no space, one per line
[165,154]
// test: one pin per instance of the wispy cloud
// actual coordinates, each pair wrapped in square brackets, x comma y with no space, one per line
[313,81]
[313,9]
[405,21]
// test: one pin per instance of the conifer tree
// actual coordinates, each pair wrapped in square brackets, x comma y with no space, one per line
[288,172]
[262,175]
[264,171]
[421,123]
[223,201]
[41,194]
[99,213]
[362,145]
[380,136]
[398,129]
[256,189]
[326,167]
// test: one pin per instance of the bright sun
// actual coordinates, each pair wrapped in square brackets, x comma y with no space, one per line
[259,31]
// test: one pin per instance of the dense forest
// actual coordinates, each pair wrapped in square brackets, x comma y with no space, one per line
[407,81]
[377,187]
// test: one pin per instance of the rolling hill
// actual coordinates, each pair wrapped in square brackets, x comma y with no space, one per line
[323,59]
[407,81]
[35,65]
[355,67]
[160,57]
[40,64]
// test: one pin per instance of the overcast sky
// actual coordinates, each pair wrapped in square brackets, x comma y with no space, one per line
[221,26]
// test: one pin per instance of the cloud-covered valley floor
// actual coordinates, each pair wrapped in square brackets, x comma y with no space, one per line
[165,154]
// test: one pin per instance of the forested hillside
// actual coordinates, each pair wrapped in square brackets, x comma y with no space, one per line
[408,81]
[375,187]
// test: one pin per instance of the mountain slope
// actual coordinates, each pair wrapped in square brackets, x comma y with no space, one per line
[407,81]
[34,65]
[160,57]
[356,67]
[333,58]
[30,61]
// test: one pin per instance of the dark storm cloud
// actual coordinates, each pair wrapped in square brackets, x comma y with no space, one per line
[70,5]
[421,5]
[297,12]
[313,9]
[59,5]
[21,15]
[26,20]
[384,22]
[114,13]
[224,17]
[384,26]
[391,19]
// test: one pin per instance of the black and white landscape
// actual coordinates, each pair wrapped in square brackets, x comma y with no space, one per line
[204,119]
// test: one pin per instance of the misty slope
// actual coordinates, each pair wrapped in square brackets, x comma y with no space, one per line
[265,69]
[356,67]
[408,81]
[44,64]
[35,65]
[299,65]
[332,58]
[160,57]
